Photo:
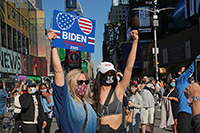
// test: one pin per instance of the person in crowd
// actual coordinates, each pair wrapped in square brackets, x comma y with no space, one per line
[111,121]
[147,91]
[172,96]
[184,111]
[73,111]
[17,109]
[135,105]
[15,90]
[8,99]
[47,102]
[192,93]
[3,94]
[31,109]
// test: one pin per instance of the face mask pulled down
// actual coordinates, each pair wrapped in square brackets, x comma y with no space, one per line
[108,79]
[81,89]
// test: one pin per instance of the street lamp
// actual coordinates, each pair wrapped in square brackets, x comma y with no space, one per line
[155,11]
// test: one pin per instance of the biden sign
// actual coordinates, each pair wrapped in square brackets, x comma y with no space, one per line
[73,32]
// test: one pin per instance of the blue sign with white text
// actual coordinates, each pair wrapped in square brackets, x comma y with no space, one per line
[73,32]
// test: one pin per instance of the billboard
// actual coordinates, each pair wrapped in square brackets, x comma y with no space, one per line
[126,48]
[185,12]
[73,59]
[38,66]
[10,61]
[73,32]
[84,66]
[177,52]
[70,4]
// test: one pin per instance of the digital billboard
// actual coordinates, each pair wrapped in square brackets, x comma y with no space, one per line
[186,11]
[38,66]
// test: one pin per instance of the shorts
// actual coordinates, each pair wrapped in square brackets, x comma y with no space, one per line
[147,115]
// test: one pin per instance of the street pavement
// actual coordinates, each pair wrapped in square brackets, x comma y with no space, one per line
[54,126]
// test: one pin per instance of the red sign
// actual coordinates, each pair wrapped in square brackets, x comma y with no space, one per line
[73,57]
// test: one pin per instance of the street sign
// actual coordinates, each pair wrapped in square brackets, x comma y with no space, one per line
[73,32]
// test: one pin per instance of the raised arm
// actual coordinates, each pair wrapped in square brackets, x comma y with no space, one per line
[130,62]
[20,87]
[58,72]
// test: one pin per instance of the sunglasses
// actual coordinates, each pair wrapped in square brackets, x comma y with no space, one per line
[80,82]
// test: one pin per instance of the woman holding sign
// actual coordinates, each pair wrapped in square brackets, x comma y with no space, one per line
[110,110]
[73,111]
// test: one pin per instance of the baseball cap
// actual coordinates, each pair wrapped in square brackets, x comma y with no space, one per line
[104,67]
[31,83]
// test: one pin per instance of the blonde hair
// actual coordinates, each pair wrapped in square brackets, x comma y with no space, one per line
[71,79]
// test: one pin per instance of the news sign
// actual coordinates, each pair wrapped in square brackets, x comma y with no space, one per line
[73,32]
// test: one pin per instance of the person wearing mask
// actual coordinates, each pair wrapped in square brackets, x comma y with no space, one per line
[135,105]
[111,118]
[73,111]
[17,109]
[47,103]
[31,109]
[3,94]
[171,94]
[184,111]
[147,91]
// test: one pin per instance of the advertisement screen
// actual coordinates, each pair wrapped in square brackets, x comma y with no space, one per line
[71,4]
[38,66]
[126,47]
[185,12]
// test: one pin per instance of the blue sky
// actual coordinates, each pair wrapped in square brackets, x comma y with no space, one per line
[94,9]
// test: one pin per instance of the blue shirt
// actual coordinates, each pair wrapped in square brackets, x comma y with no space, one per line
[71,115]
[47,106]
[3,94]
[181,84]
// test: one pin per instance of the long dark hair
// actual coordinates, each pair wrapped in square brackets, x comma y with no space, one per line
[96,89]
[169,86]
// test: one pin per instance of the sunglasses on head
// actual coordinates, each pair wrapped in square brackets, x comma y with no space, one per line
[80,82]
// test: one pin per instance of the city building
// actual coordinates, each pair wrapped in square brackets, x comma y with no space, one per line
[19,42]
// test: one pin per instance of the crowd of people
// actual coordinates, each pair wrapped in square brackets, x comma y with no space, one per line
[116,102]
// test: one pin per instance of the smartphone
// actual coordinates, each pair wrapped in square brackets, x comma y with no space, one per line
[197,70]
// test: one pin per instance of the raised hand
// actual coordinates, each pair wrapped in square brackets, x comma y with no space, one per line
[51,35]
[134,34]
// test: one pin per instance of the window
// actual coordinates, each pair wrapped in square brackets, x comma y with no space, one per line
[19,43]
[27,46]
[10,46]
[15,40]
[23,44]
[3,34]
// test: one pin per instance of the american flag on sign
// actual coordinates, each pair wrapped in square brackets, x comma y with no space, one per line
[85,25]
[65,21]
[57,32]
[91,40]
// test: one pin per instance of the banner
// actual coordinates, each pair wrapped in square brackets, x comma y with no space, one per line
[73,32]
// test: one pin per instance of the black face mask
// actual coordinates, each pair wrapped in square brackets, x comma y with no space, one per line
[109,79]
